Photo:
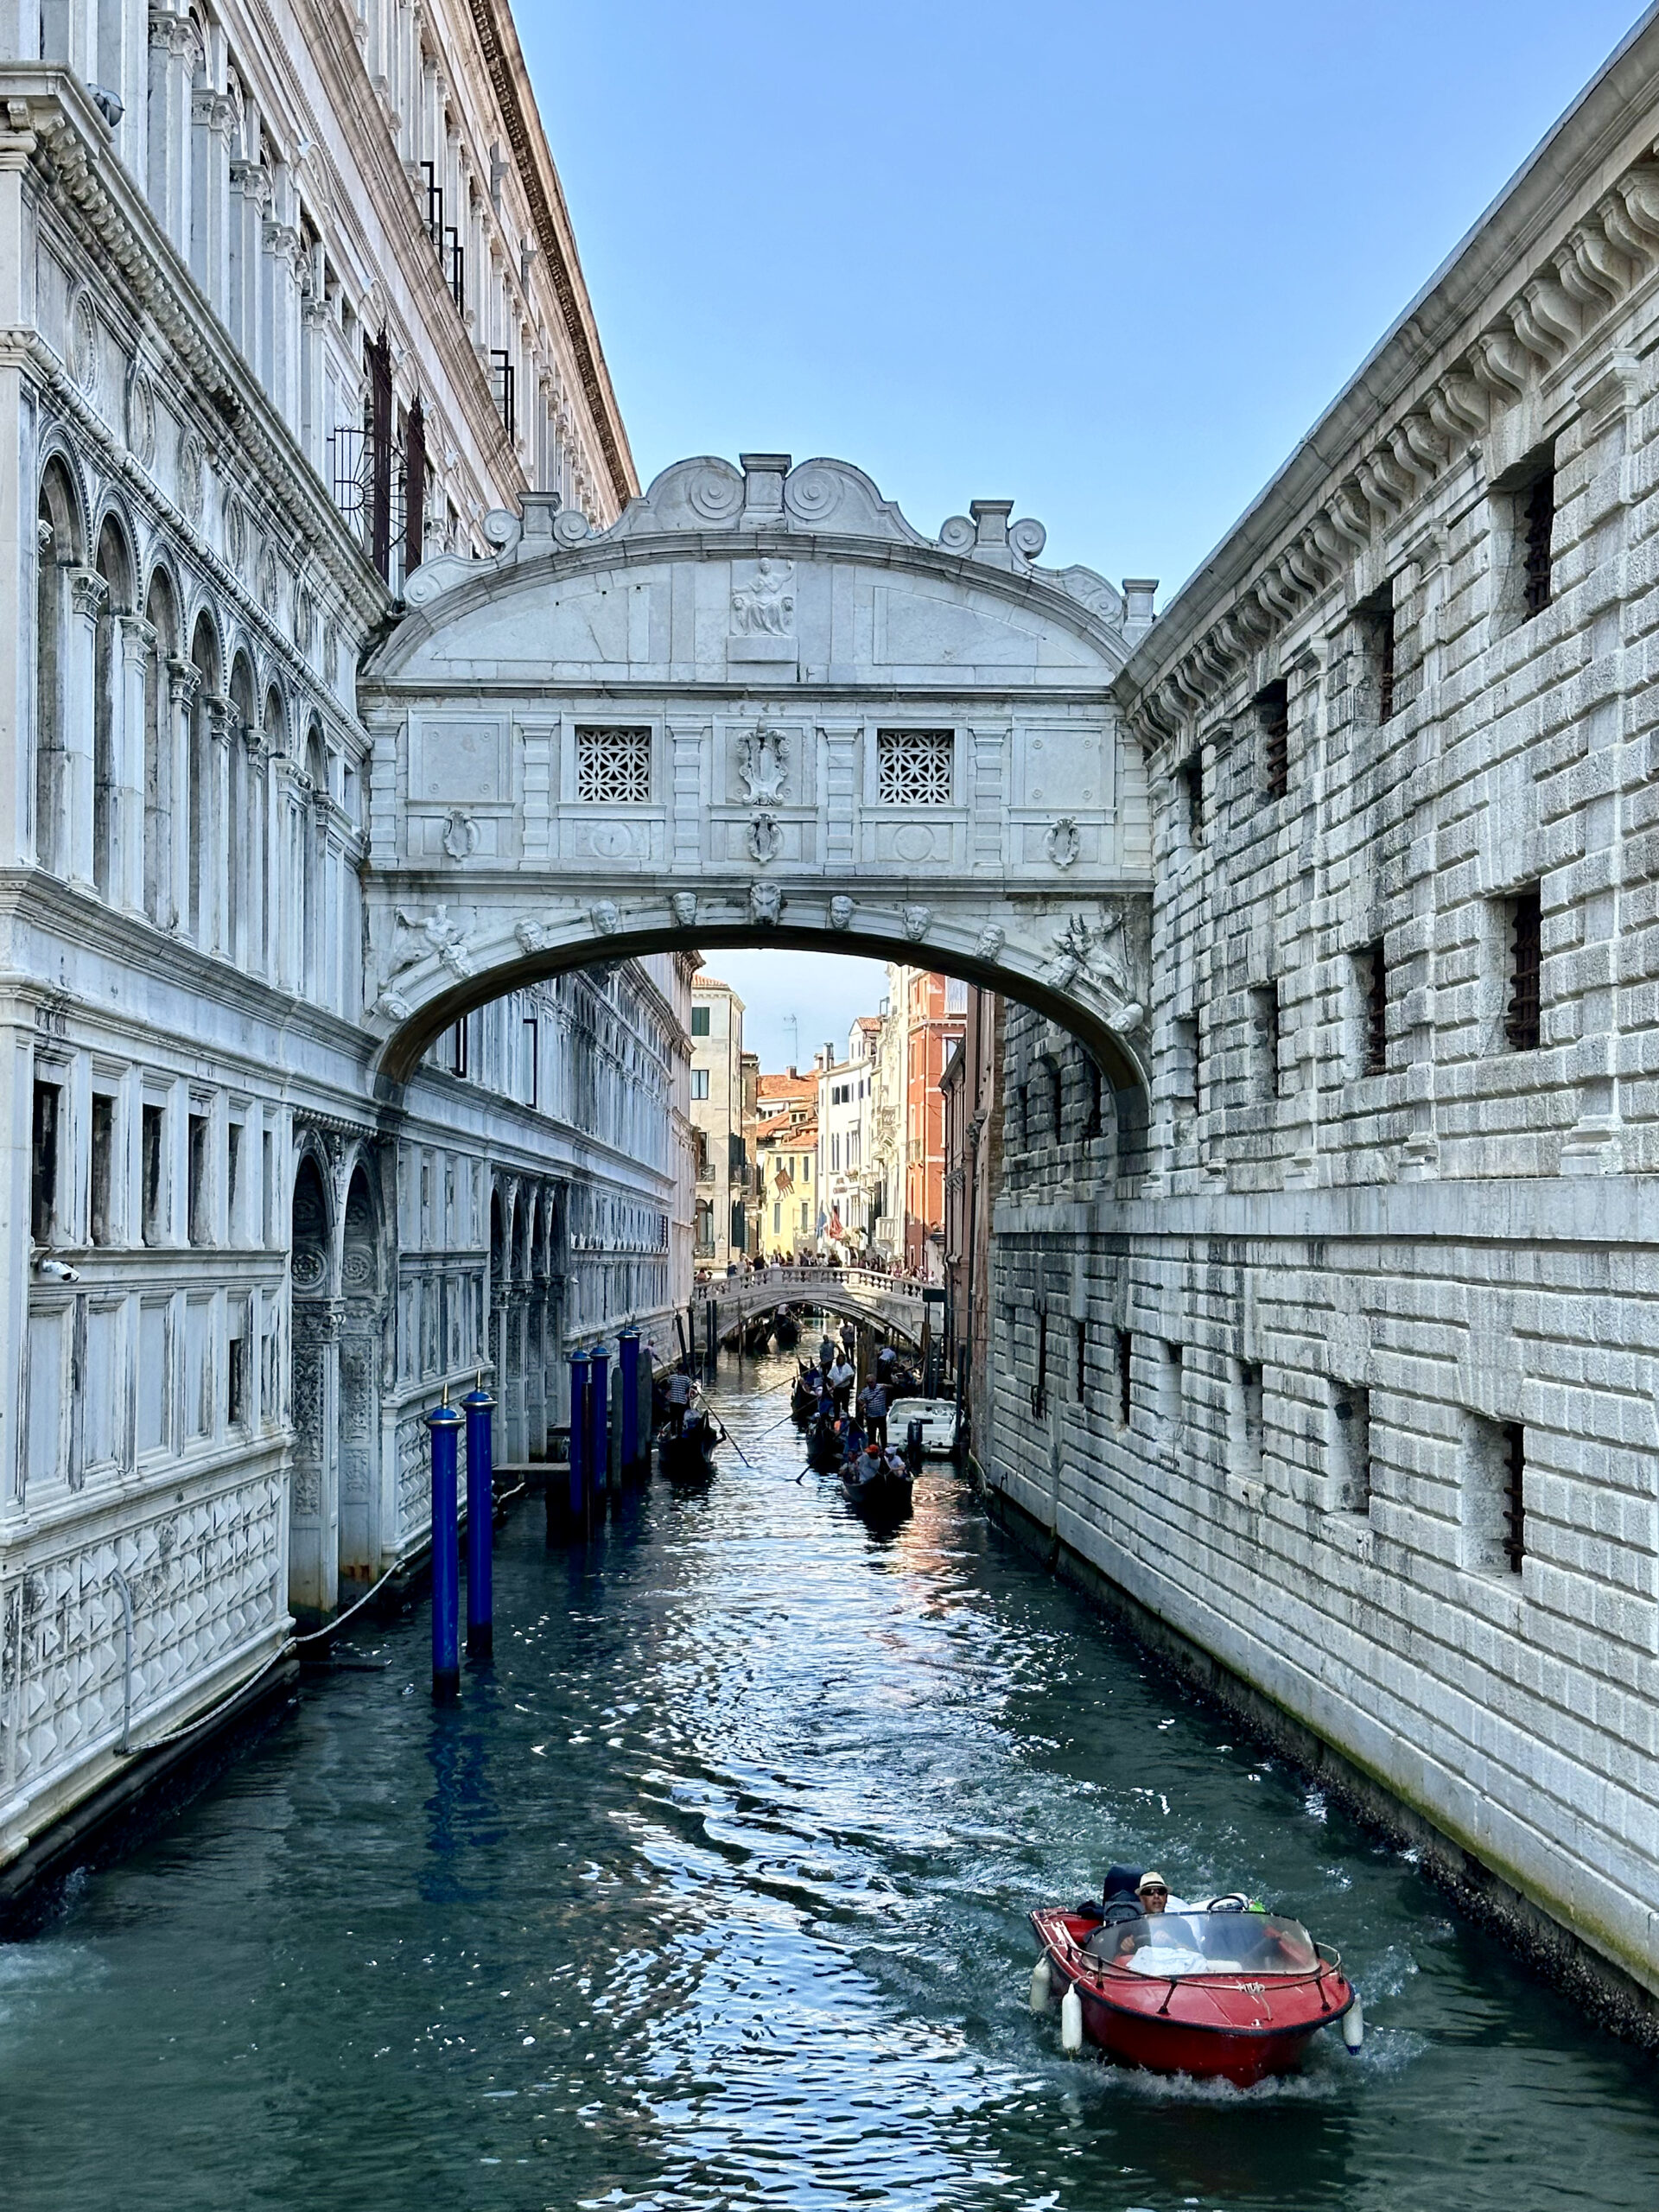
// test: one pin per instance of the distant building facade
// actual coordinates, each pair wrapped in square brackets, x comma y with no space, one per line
[718,1115]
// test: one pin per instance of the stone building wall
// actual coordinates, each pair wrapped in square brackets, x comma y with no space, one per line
[235,1274]
[1370,1350]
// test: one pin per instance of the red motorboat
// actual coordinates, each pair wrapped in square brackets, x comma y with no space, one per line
[1225,1990]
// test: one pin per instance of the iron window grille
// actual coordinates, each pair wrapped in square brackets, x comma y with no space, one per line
[1515,1498]
[1374,979]
[914,768]
[1521,1024]
[1190,778]
[456,257]
[1125,1378]
[503,389]
[1538,525]
[434,224]
[1382,648]
[1273,714]
[614,766]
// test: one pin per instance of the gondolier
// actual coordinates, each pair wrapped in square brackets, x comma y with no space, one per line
[873,1412]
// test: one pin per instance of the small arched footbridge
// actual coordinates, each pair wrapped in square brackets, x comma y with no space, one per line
[893,1303]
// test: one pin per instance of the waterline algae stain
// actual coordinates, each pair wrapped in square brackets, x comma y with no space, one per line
[711,1893]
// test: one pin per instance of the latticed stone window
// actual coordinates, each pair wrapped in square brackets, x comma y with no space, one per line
[614,766]
[912,767]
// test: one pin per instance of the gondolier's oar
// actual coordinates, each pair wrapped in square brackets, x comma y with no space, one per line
[726,1436]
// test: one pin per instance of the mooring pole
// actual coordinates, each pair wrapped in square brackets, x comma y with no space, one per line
[478,1405]
[628,1379]
[578,1437]
[444,1423]
[596,1458]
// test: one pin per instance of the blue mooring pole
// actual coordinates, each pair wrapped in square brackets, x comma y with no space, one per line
[578,1434]
[478,1405]
[444,1422]
[599,1427]
[627,1373]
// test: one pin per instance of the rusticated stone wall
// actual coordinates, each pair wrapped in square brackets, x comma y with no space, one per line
[1369,1402]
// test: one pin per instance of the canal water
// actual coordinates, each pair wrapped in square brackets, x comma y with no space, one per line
[713,1893]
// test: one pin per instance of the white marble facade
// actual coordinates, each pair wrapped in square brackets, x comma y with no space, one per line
[236,1271]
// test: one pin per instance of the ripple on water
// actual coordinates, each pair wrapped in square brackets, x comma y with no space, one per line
[714,1894]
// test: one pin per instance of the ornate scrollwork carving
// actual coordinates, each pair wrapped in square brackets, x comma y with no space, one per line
[1063,842]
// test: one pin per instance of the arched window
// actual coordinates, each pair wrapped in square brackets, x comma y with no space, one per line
[109,677]
[201,836]
[59,551]
[162,609]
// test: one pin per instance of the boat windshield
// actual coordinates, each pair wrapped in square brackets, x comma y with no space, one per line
[1173,1944]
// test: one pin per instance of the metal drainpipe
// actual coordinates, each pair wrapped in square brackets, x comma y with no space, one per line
[122,1584]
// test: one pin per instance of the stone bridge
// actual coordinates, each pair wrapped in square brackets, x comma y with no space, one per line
[760,709]
[893,1303]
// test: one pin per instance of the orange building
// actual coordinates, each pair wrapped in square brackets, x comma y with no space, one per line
[934,1012]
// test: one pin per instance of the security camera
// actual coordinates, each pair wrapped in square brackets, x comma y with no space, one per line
[57,1270]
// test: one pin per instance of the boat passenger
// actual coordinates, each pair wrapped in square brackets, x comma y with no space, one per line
[1152,1891]
[870,1465]
[681,1391]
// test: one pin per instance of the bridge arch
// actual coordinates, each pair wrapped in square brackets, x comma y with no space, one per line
[761,708]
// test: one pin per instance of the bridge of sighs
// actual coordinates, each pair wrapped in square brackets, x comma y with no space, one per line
[762,708]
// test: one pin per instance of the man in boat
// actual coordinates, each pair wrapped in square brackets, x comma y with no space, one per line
[840,1382]
[827,1354]
[872,1410]
[1152,1891]
[681,1391]
[870,1465]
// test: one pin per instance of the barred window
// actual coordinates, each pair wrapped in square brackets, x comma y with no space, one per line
[912,767]
[614,766]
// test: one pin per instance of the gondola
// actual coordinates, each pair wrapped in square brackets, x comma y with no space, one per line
[688,1455]
[803,1398]
[824,1453]
[757,1334]
[1224,1991]
[884,1496]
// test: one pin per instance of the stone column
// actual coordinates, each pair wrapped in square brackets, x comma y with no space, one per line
[184,682]
[281,302]
[217,828]
[173,49]
[313,1478]
[213,116]
[536,1375]
[88,596]
[136,641]
[250,184]
[516,1396]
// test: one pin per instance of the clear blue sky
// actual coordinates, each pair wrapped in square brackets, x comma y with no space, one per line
[1110,262]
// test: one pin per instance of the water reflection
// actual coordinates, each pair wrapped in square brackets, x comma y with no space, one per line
[713,1894]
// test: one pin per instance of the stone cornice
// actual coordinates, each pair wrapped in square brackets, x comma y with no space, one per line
[1573,239]
[100,200]
[498,40]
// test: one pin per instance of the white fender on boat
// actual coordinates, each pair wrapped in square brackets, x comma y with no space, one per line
[1039,1985]
[1072,2022]
[1353,2023]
